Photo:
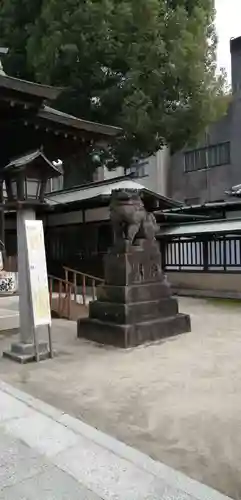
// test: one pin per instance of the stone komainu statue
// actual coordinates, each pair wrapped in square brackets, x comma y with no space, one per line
[129,218]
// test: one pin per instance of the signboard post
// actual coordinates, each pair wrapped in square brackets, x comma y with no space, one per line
[38,278]
[34,307]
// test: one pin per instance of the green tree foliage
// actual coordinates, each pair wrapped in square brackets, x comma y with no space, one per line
[16,20]
[148,66]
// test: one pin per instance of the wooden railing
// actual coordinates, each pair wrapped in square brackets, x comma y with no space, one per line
[60,294]
[64,292]
[84,280]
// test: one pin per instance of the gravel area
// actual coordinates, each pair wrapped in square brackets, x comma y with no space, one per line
[178,401]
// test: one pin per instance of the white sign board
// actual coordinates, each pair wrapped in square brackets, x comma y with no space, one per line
[38,278]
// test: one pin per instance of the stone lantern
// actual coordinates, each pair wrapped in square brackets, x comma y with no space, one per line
[25,181]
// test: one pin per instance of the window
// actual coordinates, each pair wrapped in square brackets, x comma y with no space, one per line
[138,169]
[211,156]
[55,184]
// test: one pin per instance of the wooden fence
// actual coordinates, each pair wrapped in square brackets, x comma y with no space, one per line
[220,254]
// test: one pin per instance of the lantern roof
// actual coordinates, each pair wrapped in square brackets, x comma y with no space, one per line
[35,157]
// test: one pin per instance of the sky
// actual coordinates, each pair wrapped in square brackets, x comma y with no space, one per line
[228,24]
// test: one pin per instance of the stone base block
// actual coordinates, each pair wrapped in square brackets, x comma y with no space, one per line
[133,313]
[25,353]
[132,335]
[143,292]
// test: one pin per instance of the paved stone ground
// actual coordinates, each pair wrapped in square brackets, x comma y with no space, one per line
[179,401]
[47,455]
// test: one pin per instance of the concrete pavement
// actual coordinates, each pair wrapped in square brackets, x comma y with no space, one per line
[45,454]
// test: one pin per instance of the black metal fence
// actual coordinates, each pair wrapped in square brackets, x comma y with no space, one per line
[203,254]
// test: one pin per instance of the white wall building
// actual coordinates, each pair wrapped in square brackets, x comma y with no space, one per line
[152,171]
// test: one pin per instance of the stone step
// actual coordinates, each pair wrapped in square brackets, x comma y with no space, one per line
[126,336]
[8,321]
[9,315]
[133,293]
[133,312]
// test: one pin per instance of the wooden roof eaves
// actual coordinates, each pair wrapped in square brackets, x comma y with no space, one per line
[51,114]
[30,88]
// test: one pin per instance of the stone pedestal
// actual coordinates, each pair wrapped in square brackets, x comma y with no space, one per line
[134,305]
[25,353]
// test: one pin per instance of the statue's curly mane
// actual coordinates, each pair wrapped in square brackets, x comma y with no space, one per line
[129,217]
